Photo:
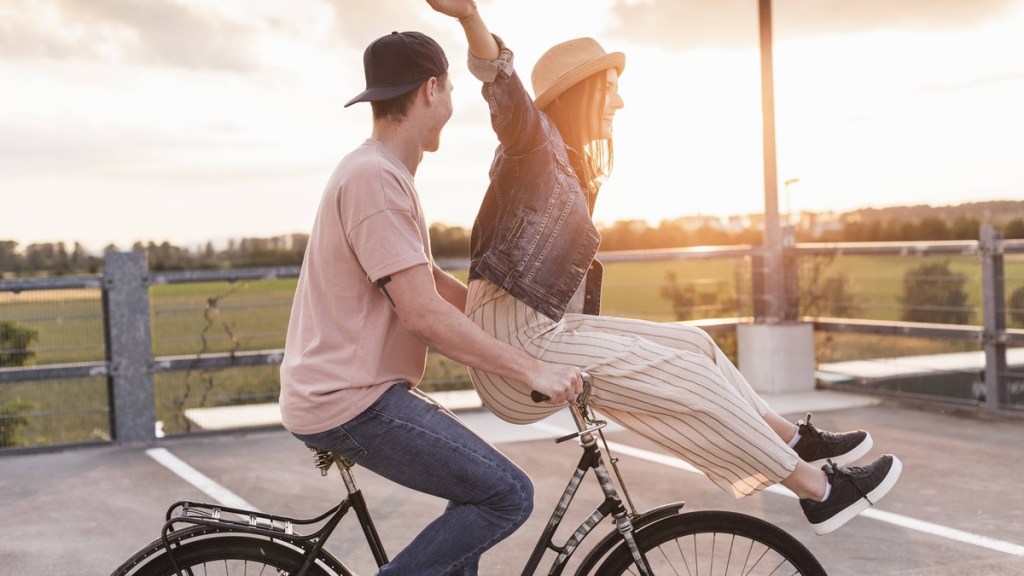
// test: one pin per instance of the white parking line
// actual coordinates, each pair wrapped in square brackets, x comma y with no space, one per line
[201,481]
[873,513]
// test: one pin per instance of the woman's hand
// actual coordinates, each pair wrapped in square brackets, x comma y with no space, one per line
[481,43]
[460,9]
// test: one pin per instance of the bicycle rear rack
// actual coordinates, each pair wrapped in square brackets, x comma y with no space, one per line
[201,513]
[185,515]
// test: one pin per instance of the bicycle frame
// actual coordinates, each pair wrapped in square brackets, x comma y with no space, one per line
[627,523]
[281,528]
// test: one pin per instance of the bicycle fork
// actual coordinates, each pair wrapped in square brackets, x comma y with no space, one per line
[623,522]
[611,506]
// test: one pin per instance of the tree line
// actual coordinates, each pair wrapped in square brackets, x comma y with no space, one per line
[930,228]
[57,258]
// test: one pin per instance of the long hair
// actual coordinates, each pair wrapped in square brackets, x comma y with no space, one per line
[578,113]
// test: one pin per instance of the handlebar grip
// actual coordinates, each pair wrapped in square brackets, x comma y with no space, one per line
[539,397]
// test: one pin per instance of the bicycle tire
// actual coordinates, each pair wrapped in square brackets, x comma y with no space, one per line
[715,543]
[224,553]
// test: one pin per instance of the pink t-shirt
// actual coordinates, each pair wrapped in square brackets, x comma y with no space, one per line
[345,344]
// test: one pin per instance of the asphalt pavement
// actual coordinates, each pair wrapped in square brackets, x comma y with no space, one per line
[957,510]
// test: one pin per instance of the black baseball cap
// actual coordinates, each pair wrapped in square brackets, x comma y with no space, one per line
[397,63]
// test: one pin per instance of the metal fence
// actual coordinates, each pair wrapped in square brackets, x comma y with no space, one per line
[954,297]
[133,354]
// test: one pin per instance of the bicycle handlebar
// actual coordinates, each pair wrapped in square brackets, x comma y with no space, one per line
[539,397]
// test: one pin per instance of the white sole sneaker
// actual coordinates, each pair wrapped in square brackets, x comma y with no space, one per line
[857,453]
[862,504]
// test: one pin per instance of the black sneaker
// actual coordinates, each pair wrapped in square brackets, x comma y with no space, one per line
[854,489]
[817,446]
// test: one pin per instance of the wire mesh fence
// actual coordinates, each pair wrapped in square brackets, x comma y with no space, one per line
[51,326]
[210,317]
[917,289]
[54,412]
[1014,282]
[911,288]
[949,370]
[196,400]
[1014,285]
[47,327]
[216,336]
[667,291]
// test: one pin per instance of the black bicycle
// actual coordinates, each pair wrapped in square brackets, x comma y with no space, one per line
[209,539]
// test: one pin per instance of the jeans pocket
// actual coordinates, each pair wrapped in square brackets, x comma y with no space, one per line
[335,440]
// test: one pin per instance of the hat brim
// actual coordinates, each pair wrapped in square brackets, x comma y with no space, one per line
[616,60]
[383,93]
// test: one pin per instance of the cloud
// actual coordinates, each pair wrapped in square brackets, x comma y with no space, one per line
[734,23]
[150,32]
[358,22]
[196,34]
[690,24]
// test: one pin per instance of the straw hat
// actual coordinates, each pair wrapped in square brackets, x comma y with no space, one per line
[566,64]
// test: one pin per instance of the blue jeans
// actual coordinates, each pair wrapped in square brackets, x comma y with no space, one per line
[408,439]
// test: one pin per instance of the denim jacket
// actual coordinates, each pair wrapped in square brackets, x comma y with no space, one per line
[533,236]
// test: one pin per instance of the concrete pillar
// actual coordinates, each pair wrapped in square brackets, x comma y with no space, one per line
[777,358]
[993,296]
[129,346]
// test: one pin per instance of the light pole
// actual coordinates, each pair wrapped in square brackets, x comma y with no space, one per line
[776,353]
[789,207]
[773,284]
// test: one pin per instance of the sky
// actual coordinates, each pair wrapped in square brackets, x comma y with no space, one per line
[201,120]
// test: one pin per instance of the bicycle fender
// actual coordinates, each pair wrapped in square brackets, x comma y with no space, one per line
[614,538]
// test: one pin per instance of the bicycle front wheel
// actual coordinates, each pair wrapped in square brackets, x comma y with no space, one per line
[715,543]
[224,554]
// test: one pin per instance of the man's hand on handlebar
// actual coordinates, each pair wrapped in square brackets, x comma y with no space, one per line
[557,384]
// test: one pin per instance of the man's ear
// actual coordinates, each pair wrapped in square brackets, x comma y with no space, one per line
[430,89]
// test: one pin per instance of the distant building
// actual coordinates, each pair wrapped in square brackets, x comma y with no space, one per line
[691,223]
[738,224]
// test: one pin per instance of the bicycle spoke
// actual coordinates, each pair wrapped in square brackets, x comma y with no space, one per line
[664,560]
[716,553]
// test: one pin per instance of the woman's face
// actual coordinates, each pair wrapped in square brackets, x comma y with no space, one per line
[612,102]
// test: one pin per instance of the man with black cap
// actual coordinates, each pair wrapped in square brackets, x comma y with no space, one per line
[369,302]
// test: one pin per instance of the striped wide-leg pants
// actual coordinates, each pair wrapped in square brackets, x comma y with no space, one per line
[669,382]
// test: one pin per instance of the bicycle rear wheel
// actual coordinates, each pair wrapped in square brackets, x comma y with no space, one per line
[200,551]
[715,543]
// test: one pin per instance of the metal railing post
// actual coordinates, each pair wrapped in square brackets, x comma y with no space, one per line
[758,295]
[994,312]
[791,276]
[129,347]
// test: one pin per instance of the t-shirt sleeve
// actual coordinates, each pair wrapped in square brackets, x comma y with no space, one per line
[388,241]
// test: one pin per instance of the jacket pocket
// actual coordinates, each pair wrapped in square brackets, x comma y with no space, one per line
[515,245]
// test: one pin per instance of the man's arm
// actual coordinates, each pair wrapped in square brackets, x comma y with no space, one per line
[446,329]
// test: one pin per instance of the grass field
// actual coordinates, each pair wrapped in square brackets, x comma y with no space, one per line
[195,319]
